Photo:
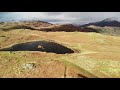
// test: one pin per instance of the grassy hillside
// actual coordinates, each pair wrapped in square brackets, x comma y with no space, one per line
[42,26]
[115,31]
[33,25]
[96,55]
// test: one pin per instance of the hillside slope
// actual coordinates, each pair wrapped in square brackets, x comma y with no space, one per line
[98,55]
[108,30]
[42,26]
[113,22]
[24,25]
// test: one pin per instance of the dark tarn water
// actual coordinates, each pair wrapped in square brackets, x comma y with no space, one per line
[43,46]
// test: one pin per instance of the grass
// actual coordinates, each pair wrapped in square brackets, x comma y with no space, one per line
[97,56]
[98,67]
[113,31]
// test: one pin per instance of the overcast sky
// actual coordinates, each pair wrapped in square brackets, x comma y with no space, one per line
[59,17]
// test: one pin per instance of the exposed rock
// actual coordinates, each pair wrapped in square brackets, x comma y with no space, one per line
[29,66]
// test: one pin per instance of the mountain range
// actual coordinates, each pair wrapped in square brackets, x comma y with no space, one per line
[114,22]
[110,26]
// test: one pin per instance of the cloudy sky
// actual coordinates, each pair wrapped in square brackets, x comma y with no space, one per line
[59,17]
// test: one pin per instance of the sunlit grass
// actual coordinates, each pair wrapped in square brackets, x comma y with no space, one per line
[98,55]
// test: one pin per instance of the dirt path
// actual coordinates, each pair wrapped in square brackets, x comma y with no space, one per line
[90,52]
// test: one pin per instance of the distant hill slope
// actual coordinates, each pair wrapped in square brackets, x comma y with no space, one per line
[109,26]
[64,27]
[114,31]
[107,22]
[42,26]
[48,27]
[24,25]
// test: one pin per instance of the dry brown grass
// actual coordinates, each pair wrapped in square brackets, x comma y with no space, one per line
[99,55]
[44,68]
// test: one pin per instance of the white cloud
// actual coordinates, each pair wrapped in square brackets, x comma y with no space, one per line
[60,17]
[83,17]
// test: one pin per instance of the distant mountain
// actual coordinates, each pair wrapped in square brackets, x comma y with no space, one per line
[114,22]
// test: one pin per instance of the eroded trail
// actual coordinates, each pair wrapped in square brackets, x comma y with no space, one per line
[90,52]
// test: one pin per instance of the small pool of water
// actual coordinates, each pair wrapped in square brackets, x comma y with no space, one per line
[43,46]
